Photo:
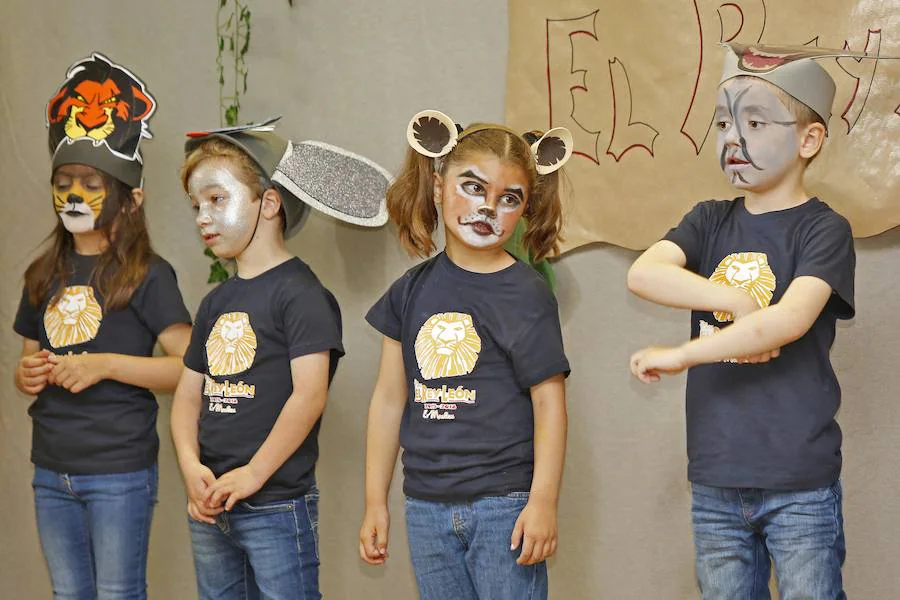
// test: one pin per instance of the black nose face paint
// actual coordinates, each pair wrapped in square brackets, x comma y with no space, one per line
[74,199]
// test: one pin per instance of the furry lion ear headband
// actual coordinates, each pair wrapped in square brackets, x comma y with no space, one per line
[434,134]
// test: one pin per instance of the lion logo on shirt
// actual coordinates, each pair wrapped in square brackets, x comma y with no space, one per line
[447,346]
[231,345]
[74,319]
[749,271]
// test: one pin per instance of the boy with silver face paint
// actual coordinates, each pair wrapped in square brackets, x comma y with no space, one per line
[266,344]
[766,276]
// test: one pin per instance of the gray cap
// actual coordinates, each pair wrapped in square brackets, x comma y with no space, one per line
[308,174]
[791,69]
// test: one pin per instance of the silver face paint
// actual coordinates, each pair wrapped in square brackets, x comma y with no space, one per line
[757,138]
[227,210]
[479,215]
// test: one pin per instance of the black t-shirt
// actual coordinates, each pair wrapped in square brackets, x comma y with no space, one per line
[246,333]
[111,426]
[768,425]
[473,345]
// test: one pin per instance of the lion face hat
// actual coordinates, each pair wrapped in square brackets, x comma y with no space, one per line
[310,174]
[98,117]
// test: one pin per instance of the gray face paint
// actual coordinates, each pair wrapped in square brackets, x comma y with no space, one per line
[227,210]
[757,137]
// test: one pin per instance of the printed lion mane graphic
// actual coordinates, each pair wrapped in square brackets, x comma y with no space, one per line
[749,271]
[103,102]
[447,345]
[74,319]
[231,345]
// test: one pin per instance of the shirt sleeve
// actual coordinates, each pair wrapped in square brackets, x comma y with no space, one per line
[195,355]
[158,300]
[311,320]
[690,234]
[28,318]
[538,354]
[386,315]
[827,253]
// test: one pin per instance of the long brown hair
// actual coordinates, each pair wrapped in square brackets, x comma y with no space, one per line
[120,268]
[410,199]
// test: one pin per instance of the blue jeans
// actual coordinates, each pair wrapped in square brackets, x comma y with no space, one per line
[95,531]
[460,550]
[738,530]
[260,551]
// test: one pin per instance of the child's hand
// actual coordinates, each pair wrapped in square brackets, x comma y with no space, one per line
[649,363]
[537,525]
[761,358]
[197,479]
[77,372]
[745,304]
[32,372]
[233,486]
[198,512]
[373,535]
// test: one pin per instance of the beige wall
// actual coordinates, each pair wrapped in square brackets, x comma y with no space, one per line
[352,73]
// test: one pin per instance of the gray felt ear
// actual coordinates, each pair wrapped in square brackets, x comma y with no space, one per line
[432,133]
[335,181]
[553,150]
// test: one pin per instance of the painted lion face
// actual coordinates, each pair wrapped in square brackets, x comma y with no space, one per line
[447,345]
[749,271]
[231,345]
[74,319]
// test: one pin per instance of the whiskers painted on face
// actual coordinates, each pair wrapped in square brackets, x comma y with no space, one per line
[478,217]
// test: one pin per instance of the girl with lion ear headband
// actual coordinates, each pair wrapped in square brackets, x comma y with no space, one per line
[473,368]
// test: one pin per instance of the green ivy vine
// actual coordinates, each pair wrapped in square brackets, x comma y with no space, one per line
[233,21]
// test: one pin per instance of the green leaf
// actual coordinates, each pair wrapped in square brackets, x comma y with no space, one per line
[217,273]
[231,115]
[231,44]
[221,79]
[245,82]
[222,3]
[208,252]
[221,44]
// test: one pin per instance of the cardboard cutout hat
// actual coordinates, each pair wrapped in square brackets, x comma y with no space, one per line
[793,69]
[308,174]
[98,117]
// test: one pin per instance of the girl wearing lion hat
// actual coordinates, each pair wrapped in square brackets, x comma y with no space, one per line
[472,372]
[94,305]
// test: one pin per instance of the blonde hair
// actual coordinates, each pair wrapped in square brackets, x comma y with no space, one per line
[246,172]
[410,199]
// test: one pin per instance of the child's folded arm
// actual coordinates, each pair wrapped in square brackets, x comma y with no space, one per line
[659,275]
[767,329]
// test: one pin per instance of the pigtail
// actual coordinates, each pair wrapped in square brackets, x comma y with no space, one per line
[543,217]
[410,204]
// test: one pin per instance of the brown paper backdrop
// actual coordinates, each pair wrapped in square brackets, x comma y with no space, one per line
[635,82]
[353,73]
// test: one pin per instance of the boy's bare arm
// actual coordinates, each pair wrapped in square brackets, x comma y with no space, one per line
[767,329]
[755,334]
[659,276]
[299,414]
